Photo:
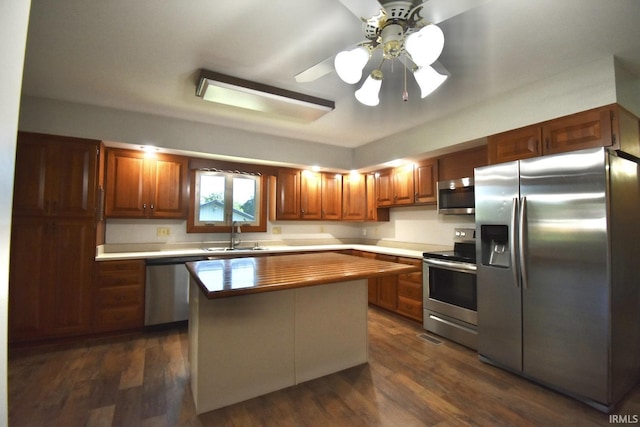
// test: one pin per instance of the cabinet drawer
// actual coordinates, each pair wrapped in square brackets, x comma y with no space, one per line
[120,273]
[410,290]
[120,318]
[410,307]
[120,296]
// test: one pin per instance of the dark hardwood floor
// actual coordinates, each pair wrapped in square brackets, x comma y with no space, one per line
[143,380]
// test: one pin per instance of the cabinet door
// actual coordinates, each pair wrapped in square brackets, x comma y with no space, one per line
[167,186]
[125,195]
[30,174]
[55,176]
[354,197]
[578,131]
[426,178]
[387,287]
[515,145]
[384,188]
[71,178]
[28,276]
[72,252]
[310,195]
[288,194]
[331,196]
[403,185]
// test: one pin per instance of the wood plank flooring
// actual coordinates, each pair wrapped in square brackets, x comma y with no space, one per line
[143,380]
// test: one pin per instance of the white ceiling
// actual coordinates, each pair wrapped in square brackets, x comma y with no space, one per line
[145,56]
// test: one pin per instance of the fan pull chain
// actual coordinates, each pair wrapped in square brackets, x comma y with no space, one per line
[405,94]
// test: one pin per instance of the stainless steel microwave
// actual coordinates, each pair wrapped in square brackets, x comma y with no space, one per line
[456,197]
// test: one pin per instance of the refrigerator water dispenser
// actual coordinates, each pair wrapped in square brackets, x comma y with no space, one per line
[495,245]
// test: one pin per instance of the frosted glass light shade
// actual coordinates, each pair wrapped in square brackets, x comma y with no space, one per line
[428,79]
[368,93]
[425,46]
[349,64]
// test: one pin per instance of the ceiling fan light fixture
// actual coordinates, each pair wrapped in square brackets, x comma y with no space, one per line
[368,93]
[425,46]
[349,64]
[428,79]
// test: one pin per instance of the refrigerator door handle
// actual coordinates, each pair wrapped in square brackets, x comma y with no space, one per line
[522,244]
[512,241]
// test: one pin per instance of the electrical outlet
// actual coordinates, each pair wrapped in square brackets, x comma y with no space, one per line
[276,230]
[163,231]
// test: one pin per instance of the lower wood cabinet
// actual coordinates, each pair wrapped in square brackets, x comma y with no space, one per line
[401,293]
[119,295]
[410,291]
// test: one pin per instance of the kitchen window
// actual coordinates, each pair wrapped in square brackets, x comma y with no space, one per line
[220,198]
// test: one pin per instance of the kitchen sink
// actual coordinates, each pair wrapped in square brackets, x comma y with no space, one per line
[252,248]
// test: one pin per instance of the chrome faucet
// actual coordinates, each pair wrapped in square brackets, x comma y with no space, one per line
[232,238]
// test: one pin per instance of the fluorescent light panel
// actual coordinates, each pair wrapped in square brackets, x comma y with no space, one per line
[228,90]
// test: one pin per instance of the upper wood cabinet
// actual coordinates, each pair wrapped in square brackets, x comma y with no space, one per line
[425,181]
[354,197]
[287,194]
[307,195]
[143,186]
[55,176]
[331,196]
[374,213]
[610,126]
[310,195]
[395,186]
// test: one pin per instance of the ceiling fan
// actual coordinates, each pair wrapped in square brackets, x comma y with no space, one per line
[405,30]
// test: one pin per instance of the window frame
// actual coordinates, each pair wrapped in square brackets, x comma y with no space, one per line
[194,197]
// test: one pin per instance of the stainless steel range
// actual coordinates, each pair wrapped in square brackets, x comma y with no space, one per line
[450,290]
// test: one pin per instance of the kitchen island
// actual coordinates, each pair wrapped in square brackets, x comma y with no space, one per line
[260,324]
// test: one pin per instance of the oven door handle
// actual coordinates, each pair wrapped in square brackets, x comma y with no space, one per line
[448,265]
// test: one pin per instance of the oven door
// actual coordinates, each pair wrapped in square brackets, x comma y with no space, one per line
[450,289]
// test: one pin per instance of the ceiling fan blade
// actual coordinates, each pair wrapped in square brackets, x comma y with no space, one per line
[362,8]
[436,11]
[315,71]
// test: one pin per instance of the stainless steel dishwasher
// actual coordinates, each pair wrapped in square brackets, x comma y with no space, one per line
[167,290]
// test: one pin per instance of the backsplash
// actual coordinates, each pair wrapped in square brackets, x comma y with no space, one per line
[419,224]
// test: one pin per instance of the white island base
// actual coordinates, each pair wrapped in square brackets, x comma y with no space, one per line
[245,346]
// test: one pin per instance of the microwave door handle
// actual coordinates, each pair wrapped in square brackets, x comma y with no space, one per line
[512,241]
[522,244]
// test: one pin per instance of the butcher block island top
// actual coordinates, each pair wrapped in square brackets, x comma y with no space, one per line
[220,278]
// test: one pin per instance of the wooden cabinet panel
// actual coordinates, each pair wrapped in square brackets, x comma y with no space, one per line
[53,237]
[515,145]
[609,126]
[403,187]
[354,197]
[410,307]
[146,187]
[50,295]
[461,164]
[374,212]
[169,190]
[578,131]
[119,296]
[55,176]
[425,180]
[310,195]
[331,196]
[288,194]
[384,188]
[28,274]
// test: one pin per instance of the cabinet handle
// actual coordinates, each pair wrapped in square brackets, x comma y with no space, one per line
[151,206]
[416,195]
[547,144]
[144,207]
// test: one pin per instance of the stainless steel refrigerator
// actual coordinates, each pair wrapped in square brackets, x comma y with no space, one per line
[557,241]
